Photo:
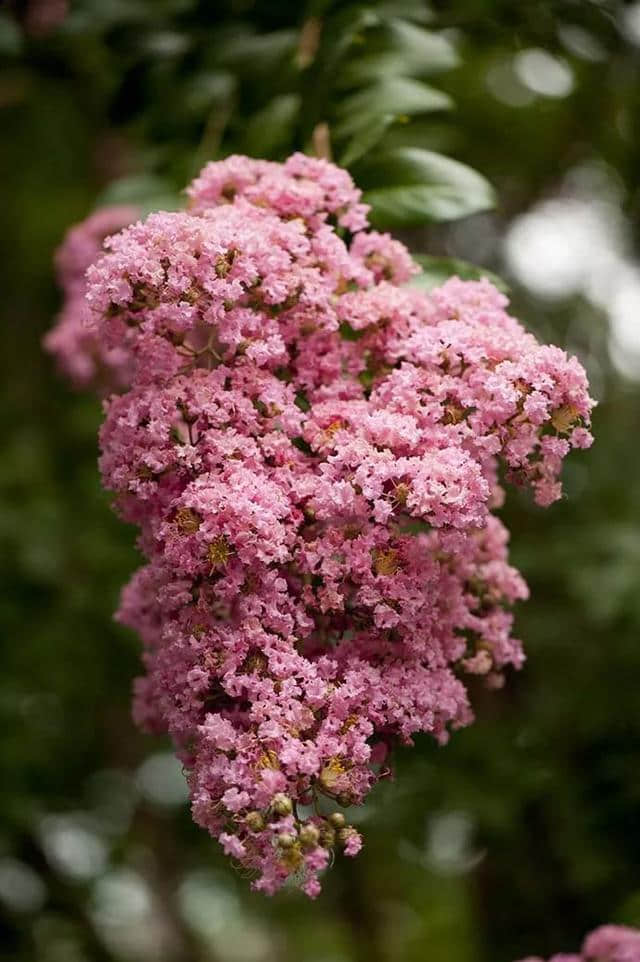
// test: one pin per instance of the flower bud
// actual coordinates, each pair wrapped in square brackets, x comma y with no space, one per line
[337,819]
[286,840]
[255,821]
[327,837]
[309,835]
[281,804]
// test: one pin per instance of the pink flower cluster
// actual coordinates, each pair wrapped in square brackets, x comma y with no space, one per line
[311,451]
[73,341]
[609,943]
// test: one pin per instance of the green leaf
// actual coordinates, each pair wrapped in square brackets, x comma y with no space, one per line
[205,90]
[428,133]
[343,29]
[10,36]
[348,333]
[437,270]
[397,96]
[410,186]
[260,52]
[400,49]
[145,191]
[100,16]
[365,138]
[423,47]
[271,129]
[416,10]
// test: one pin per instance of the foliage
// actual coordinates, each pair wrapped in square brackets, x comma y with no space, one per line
[522,851]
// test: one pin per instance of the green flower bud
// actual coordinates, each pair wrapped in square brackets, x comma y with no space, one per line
[327,837]
[344,834]
[281,804]
[309,835]
[286,840]
[255,821]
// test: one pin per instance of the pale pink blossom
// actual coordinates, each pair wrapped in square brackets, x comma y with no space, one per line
[609,943]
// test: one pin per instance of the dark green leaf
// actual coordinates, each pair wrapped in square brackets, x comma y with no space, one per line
[206,90]
[259,52]
[10,36]
[416,10]
[348,333]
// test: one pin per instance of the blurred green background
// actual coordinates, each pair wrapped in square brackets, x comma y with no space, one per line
[523,833]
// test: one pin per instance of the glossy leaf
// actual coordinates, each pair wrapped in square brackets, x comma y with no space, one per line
[409,186]
[398,96]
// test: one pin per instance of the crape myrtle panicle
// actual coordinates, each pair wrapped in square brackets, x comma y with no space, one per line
[609,943]
[311,451]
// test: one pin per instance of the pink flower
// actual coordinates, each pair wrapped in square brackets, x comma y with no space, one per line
[79,353]
[609,943]
[311,454]
[612,943]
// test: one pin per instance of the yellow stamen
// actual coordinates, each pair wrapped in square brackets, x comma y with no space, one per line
[218,552]
[187,520]
[563,418]
[331,773]
[453,414]
[331,429]
[386,562]
[401,493]
[268,759]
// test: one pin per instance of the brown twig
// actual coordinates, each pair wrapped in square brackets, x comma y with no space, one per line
[321,141]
